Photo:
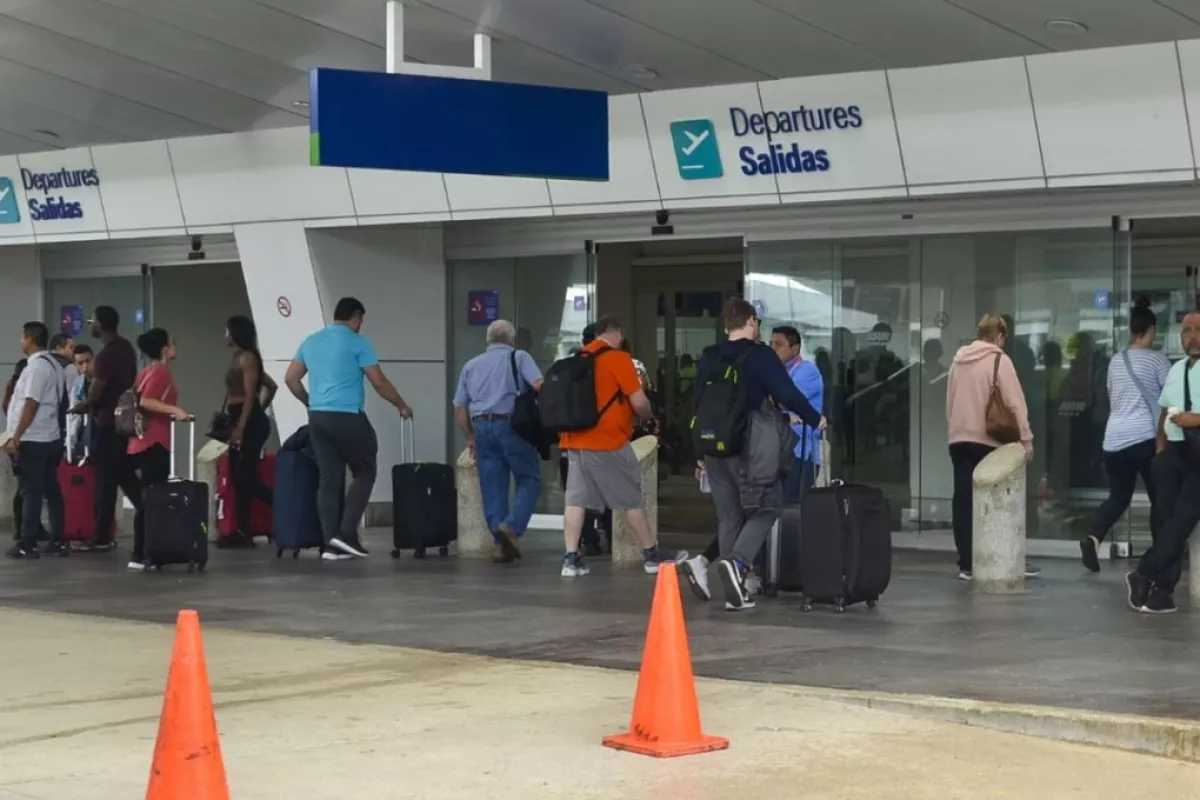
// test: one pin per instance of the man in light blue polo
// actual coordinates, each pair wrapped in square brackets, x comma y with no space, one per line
[483,406]
[785,341]
[335,360]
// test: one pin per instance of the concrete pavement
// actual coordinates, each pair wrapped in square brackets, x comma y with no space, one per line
[312,719]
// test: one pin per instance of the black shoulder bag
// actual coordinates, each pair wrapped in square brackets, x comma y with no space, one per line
[527,415]
[1191,436]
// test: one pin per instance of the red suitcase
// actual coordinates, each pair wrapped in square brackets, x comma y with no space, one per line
[260,512]
[78,485]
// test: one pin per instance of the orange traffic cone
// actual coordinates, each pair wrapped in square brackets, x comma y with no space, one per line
[187,755]
[666,716]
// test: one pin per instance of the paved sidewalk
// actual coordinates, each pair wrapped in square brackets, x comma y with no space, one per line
[324,721]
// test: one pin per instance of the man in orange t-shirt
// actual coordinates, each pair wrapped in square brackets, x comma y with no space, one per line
[602,470]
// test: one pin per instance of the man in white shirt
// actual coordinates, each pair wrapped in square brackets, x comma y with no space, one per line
[34,432]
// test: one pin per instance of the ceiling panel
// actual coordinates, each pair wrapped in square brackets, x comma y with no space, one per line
[912,33]
[757,35]
[1109,22]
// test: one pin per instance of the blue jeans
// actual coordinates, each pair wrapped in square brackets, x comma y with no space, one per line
[38,483]
[500,452]
[802,475]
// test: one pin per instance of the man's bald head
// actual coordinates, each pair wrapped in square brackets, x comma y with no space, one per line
[1189,334]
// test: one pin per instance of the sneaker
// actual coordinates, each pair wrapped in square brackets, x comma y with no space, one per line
[1139,590]
[330,555]
[696,572]
[509,543]
[136,565]
[1032,571]
[498,556]
[573,566]
[754,585]
[733,581]
[349,545]
[98,547]
[965,575]
[59,549]
[21,551]
[658,555]
[1160,602]
[1089,551]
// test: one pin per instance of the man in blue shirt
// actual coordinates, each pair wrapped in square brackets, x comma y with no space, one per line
[335,360]
[483,406]
[785,341]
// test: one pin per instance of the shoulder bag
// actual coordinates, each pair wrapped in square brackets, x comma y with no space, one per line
[1151,405]
[1000,421]
[527,415]
[1191,436]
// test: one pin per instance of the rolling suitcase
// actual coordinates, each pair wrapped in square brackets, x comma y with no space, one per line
[296,525]
[78,484]
[260,512]
[176,515]
[424,502]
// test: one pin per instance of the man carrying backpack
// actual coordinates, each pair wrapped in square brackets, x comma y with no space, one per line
[746,442]
[591,398]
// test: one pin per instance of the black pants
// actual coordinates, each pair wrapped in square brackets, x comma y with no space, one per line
[245,460]
[1178,509]
[1123,468]
[115,469]
[342,441]
[153,466]
[38,483]
[965,457]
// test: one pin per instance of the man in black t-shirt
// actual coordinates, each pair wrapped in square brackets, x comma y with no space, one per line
[114,369]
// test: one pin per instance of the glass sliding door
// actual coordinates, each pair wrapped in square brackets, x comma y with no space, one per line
[70,303]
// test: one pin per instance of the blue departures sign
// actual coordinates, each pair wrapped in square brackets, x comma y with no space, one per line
[375,120]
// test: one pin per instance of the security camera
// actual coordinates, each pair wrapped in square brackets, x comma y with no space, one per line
[197,253]
[662,226]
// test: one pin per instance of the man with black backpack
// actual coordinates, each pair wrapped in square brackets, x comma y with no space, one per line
[591,399]
[745,441]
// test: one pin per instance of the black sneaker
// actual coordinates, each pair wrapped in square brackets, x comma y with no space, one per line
[1139,590]
[349,545]
[59,549]
[1160,602]
[1089,551]
[22,551]
[733,581]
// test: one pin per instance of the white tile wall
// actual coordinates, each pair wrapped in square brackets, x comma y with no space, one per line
[137,187]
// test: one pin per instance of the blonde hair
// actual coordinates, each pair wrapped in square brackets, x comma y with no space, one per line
[992,327]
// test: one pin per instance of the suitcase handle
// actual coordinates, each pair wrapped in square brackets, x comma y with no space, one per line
[191,423]
[408,444]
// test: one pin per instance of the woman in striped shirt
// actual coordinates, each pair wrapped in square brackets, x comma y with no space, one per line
[1135,381]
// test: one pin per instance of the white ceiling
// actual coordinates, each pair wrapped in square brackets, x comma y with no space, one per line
[78,72]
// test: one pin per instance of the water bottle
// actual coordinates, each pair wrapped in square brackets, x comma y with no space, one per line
[704,487]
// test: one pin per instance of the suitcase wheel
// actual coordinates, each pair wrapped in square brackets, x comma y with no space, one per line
[395,554]
[419,552]
[279,552]
[201,567]
[839,604]
[872,603]
[443,551]
[191,568]
[771,590]
[807,607]
[295,554]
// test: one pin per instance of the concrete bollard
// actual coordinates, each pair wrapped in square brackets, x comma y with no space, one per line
[998,524]
[8,490]
[474,536]
[1194,570]
[626,550]
[206,472]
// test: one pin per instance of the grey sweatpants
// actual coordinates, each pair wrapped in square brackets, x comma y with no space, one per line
[339,441]
[744,516]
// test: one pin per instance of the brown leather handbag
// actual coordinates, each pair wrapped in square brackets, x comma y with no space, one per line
[999,419]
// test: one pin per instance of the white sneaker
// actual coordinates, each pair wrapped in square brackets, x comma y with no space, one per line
[696,571]
[573,566]
[135,566]
[330,555]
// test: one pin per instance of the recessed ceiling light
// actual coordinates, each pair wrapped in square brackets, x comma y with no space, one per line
[1067,27]
[45,132]
[300,103]
[640,71]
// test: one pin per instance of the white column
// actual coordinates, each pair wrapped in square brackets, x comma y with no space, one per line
[998,524]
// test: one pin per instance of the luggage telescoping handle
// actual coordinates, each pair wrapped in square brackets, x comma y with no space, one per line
[408,444]
[191,462]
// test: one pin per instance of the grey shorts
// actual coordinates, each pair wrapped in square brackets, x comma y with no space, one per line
[600,479]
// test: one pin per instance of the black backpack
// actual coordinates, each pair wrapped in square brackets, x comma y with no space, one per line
[719,425]
[568,396]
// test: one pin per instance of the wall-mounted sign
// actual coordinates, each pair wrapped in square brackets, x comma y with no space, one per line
[580,303]
[483,306]
[10,210]
[51,196]
[71,319]
[699,156]
[139,316]
[1102,300]
[283,306]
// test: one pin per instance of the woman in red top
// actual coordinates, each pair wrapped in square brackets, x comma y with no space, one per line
[152,450]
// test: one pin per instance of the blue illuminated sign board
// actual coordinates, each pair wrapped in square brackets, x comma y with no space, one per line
[789,133]
[374,120]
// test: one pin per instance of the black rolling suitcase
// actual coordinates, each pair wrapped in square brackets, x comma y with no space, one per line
[424,502]
[176,515]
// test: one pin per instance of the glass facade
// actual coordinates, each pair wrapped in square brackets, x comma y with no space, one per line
[883,319]
[549,299]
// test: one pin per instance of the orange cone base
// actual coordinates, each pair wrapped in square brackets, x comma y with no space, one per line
[632,743]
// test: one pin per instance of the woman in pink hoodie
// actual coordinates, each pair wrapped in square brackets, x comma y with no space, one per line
[967,393]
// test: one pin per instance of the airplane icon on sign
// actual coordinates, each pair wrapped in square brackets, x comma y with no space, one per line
[696,151]
[8,202]
[695,140]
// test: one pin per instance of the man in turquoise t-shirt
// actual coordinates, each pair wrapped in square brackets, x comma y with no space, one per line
[335,360]
[1176,482]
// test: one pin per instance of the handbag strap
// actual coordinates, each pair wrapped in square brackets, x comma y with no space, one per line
[512,363]
[996,374]
[1187,387]
[1142,387]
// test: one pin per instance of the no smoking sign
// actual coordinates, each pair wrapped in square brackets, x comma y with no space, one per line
[284,307]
